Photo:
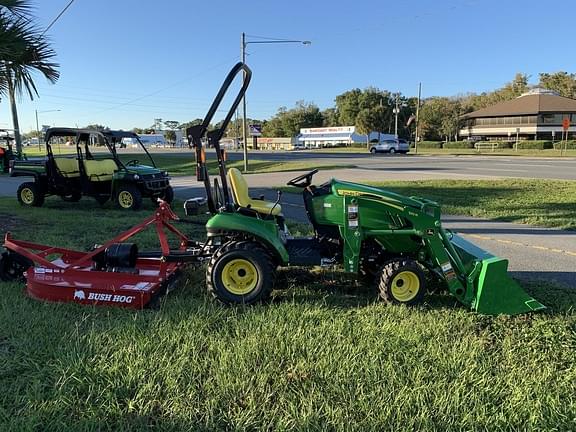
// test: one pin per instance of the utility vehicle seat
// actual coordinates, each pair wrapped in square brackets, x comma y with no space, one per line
[67,167]
[242,198]
[100,170]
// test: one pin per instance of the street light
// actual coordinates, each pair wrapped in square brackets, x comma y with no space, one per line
[37,130]
[243,44]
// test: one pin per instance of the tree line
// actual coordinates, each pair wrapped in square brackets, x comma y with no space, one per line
[372,109]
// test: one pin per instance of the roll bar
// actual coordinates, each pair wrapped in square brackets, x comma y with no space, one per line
[196,133]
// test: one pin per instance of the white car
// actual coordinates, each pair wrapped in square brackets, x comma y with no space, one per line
[390,146]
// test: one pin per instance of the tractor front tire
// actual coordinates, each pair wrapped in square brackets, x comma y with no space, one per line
[129,197]
[402,281]
[241,272]
[29,194]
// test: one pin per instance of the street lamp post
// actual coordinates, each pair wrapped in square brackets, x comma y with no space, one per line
[243,44]
[37,129]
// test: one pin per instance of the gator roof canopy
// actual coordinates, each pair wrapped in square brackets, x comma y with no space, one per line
[63,131]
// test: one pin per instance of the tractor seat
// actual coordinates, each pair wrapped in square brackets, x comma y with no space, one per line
[67,167]
[100,170]
[242,198]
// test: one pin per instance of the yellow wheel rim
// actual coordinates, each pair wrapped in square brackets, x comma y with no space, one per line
[239,276]
[125,199]
[27,196]
[405,286]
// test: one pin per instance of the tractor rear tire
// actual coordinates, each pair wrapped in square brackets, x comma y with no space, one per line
[30,194]
[402,281]
[241,272]
[129,197]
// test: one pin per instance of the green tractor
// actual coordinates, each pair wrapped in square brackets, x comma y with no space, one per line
[77,171]
[397,241]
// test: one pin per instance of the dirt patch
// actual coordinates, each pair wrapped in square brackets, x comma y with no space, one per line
[8,223]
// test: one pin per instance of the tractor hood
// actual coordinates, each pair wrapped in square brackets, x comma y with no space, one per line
[344,188]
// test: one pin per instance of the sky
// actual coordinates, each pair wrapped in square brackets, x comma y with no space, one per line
[124,63]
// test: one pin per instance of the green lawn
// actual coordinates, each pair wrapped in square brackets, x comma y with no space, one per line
[550,203]
[324,355]
[184,164]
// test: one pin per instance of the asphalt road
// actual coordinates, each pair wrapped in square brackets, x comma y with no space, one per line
[435,166]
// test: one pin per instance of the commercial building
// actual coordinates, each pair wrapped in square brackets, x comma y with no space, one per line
[538,114]
[336,136]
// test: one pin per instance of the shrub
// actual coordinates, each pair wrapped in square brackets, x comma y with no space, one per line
[458,145]
[535,145]
[428,144]
[569,145]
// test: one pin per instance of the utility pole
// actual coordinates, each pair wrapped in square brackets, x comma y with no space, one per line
[243,44]
[37,131]
[244,138]
[396,111]
[417,118]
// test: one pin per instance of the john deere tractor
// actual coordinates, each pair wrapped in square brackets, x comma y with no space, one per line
[367,231]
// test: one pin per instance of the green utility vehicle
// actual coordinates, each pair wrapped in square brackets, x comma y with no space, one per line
[396,241]
[80,168]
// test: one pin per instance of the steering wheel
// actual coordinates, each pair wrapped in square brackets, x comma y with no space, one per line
[133,162]
[304,180]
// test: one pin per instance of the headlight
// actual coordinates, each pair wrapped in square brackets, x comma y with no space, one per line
[136,177]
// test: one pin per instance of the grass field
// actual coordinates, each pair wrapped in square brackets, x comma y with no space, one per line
[324,355]
[550,203]
[183,164]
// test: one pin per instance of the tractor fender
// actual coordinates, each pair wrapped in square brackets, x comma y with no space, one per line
[260,230]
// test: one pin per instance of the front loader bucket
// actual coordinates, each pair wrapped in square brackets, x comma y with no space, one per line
[495,292]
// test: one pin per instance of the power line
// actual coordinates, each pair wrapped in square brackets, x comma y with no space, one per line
[58,17]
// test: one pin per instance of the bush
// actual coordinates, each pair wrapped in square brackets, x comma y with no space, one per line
[569,145]
[534,145]
[428,144]
[458,145]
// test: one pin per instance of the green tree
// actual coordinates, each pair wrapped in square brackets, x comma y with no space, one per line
[171,124]
[23,50]
[97,127]
[330,117]
[348,106]
[371,120]
[287,123]
[439,118]
[561,82]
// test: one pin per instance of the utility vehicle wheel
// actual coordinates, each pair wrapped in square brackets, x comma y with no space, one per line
[402,281]
[74,197]
[241,273]
[129,197]
[30,194]
[373,150]
[392,150]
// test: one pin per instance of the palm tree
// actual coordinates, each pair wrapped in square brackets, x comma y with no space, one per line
[24,49]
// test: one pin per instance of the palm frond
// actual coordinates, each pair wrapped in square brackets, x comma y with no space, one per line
[27,51]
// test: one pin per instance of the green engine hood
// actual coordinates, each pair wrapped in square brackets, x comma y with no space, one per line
[143,169]
[344,188]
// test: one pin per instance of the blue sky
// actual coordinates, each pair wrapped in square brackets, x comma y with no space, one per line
[126,62]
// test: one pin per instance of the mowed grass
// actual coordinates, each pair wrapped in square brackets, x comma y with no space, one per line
[324,355]
[184,164]
[549,203]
